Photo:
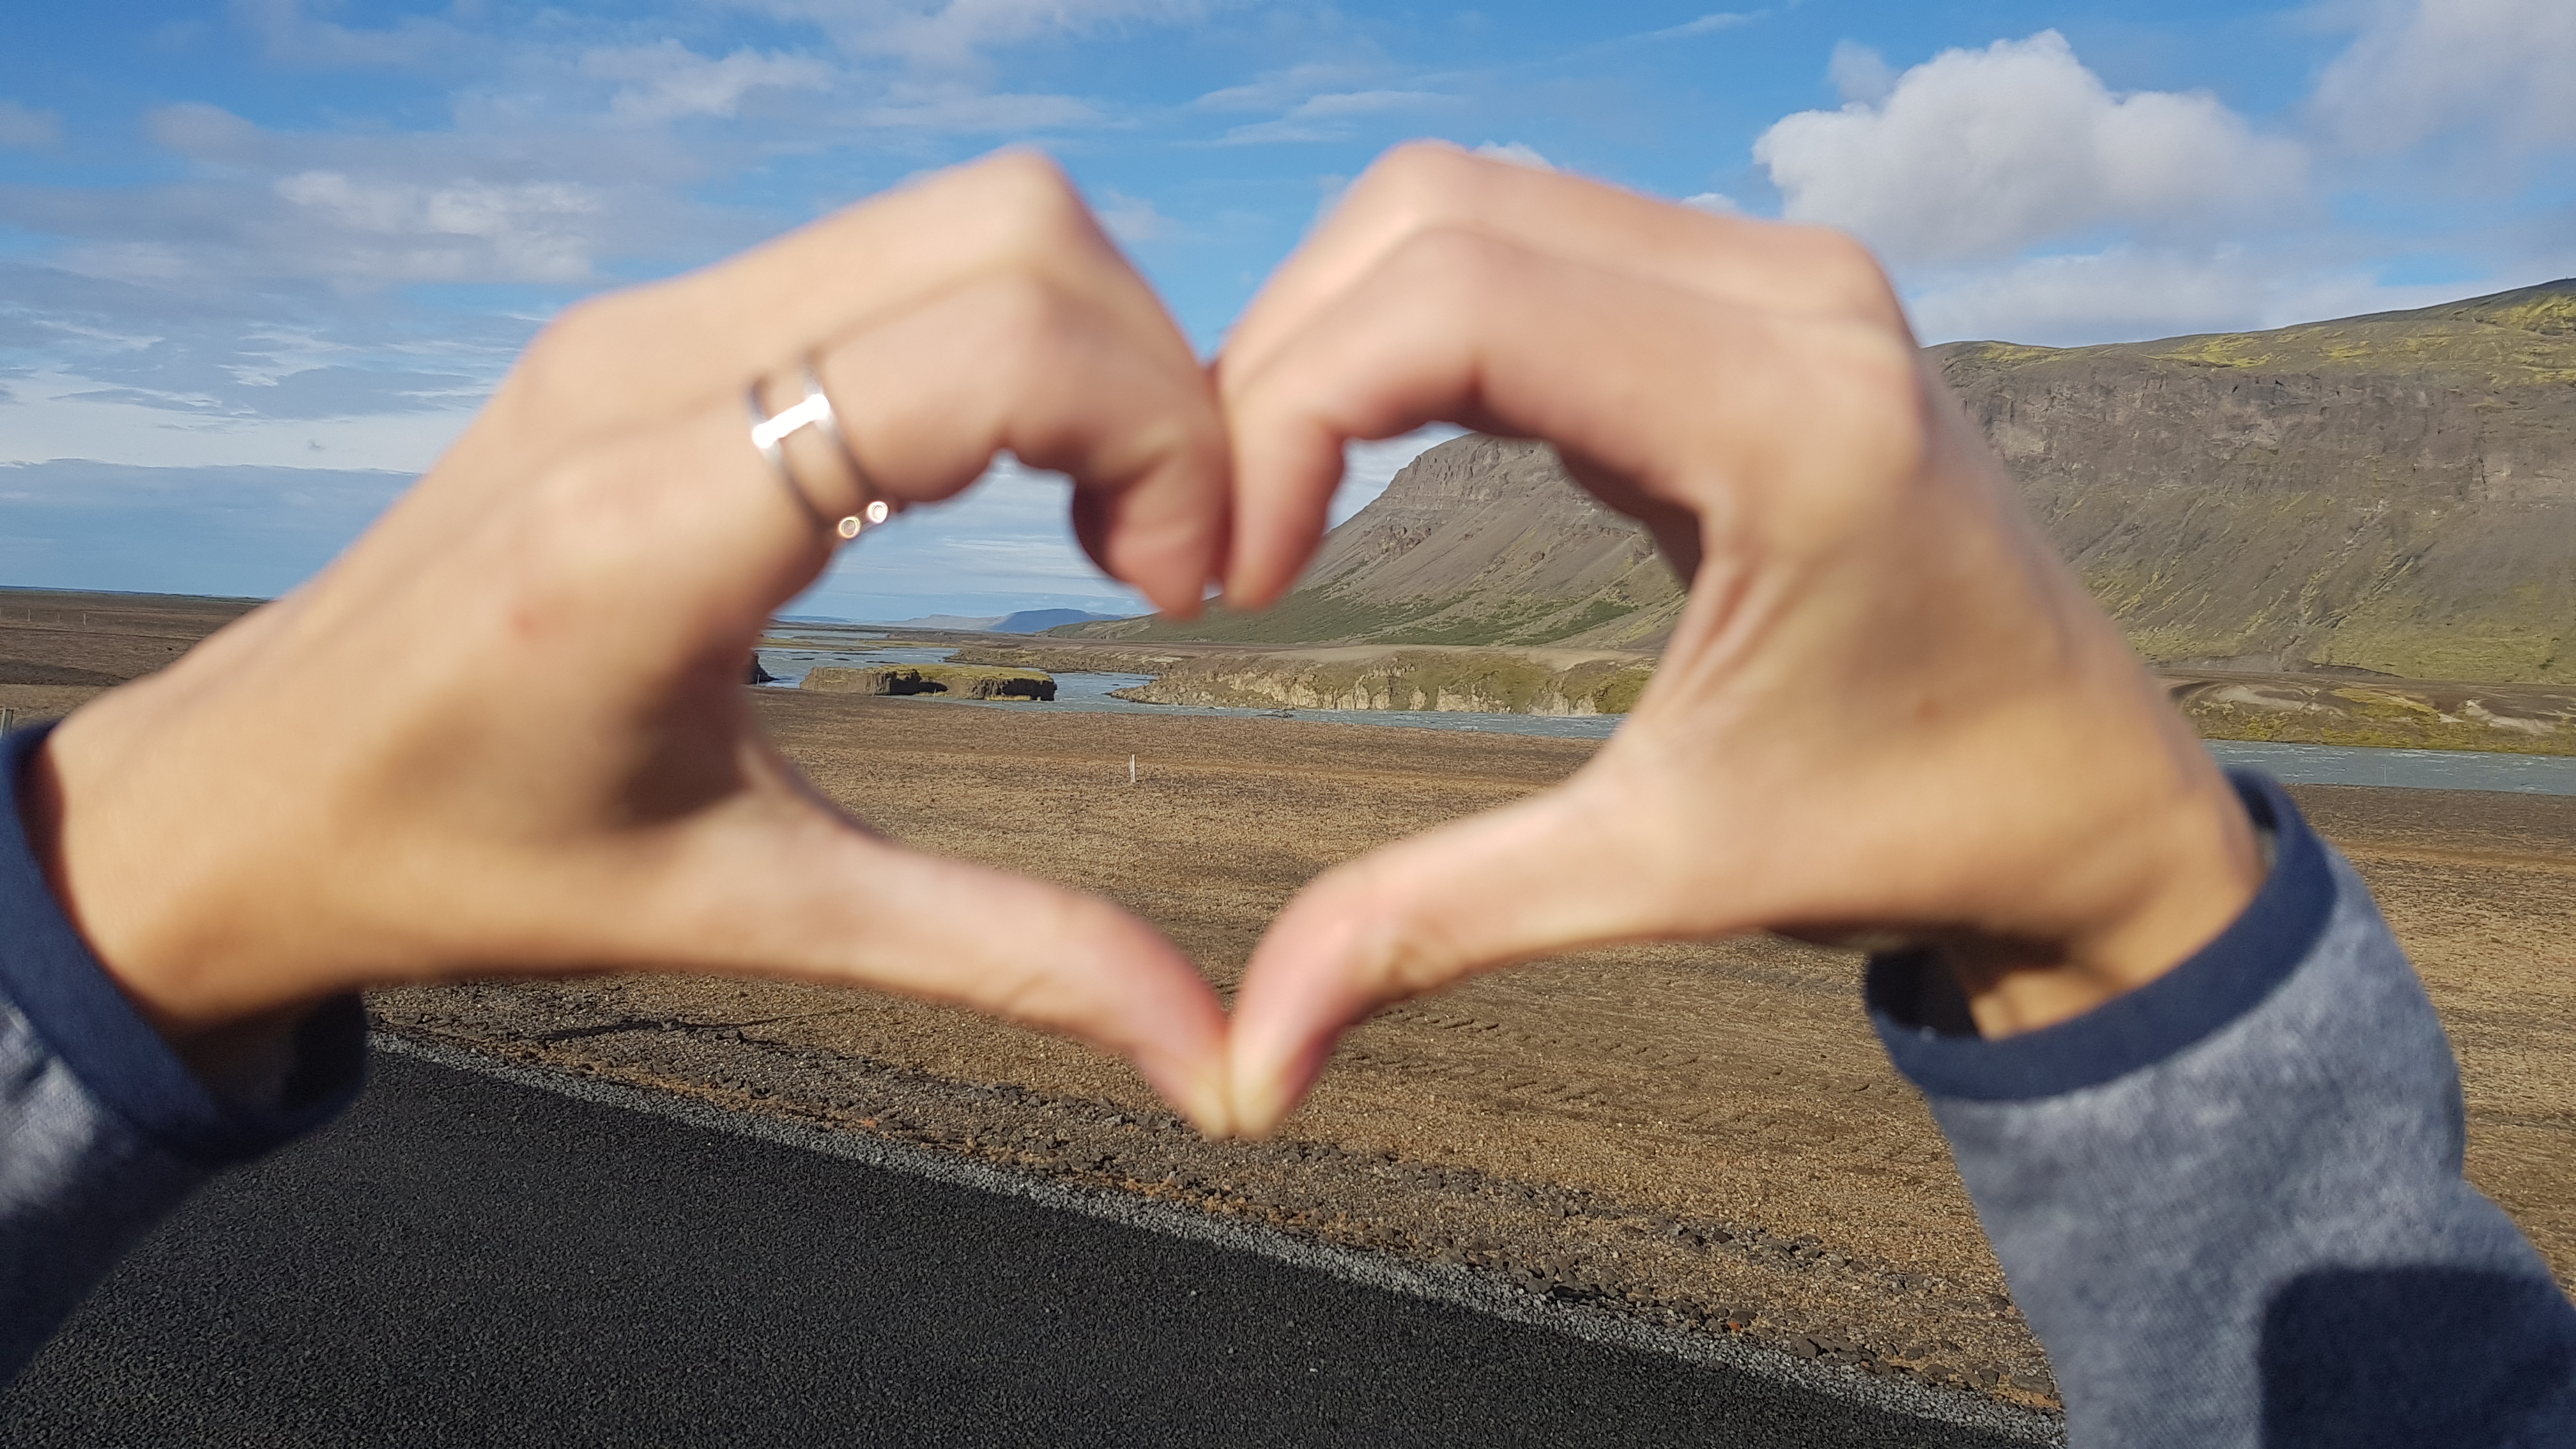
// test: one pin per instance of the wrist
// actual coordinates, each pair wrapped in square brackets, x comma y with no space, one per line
[2182,877]
[119,904]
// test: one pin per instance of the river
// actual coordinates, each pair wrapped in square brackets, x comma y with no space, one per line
[2294,764]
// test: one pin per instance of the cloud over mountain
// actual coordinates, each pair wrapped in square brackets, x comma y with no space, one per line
[1978,154]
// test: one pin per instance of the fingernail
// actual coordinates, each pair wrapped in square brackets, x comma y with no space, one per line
[1265,1092]
[1197,1090]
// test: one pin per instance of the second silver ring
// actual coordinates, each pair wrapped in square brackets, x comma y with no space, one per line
[769,434]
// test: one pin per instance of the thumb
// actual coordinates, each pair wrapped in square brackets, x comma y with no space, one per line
[1544,875]
[791,888]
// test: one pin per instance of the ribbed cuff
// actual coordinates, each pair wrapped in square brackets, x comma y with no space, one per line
[1912,1001]
[49,973]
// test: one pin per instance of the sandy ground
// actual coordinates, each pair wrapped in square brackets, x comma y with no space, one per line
[1706,1135]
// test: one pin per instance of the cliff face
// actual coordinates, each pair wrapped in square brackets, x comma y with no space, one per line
[2394,493]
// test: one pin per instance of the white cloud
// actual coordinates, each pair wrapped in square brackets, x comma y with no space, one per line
[950,35]
[202,132]
[1716,202]
[1332,116]
[1281,88]
[1981,153]
[1515,153]
[461,231]
[963,110]
[1706,25]
[1133,219]
[298,38]
[64,416]
[2423,69]
[500,198]
[24,127]
[2129,294]
[1861,75]
[669,80]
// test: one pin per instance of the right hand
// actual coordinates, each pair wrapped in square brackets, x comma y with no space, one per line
[506,731]
[1887,714]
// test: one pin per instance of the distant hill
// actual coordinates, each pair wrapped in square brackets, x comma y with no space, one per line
[949,621]
[2393,493]
[1478,541]
[1038,621]
[1026,621]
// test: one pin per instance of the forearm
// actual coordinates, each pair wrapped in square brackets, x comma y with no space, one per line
[2231,1202]
[103,1128]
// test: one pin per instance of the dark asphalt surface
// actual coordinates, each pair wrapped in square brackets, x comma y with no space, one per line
[463,1260]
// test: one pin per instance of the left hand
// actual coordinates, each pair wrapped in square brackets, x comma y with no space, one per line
[507,732]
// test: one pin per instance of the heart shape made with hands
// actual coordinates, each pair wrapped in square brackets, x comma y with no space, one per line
[1886,712]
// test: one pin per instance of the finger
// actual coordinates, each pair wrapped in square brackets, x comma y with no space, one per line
[1431,186]
[1064,383]
[776,886]
[686,503]
[1623,375]
[1012,213]
[1556,872]
[1007,246]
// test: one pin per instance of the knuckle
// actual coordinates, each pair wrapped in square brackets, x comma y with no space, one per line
[1867,391]
[565,341]
[1421,164]
[1846,274]
[1420,184]
[1449,267]
[1034,204]
[560,367]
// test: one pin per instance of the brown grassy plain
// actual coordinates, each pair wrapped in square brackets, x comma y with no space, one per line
[1706,1135]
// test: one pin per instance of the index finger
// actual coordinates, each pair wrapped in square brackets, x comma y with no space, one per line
[1427,186]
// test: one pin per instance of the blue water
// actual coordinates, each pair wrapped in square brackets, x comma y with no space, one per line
[2296,764]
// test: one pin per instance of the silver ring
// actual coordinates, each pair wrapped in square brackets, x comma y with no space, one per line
[770,432]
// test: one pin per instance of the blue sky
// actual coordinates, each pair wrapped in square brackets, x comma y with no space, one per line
[260,260]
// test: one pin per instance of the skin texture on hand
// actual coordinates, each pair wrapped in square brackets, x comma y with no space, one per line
[1887,713]
[506,731]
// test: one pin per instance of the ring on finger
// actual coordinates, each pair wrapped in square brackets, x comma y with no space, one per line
[769,434]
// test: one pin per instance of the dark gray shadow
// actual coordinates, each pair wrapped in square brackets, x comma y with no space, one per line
[2411,1358]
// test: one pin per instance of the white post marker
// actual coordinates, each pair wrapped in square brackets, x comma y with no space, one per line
[1131,769]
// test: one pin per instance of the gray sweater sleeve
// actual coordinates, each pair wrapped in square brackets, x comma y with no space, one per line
[2231,1203]
[102,1128]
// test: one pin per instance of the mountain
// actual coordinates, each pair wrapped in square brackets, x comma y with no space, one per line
[958,622]
[2393,494]
[1478,541]
[1026,621]
[1038,621]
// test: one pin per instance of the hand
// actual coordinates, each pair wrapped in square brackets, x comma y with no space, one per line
[507,732]
[1887,712]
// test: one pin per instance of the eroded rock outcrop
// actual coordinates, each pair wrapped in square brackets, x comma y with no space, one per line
[1494,681]
[964,681]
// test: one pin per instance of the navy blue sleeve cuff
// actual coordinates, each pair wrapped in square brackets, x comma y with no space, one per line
[1920,1017]
[49,974]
